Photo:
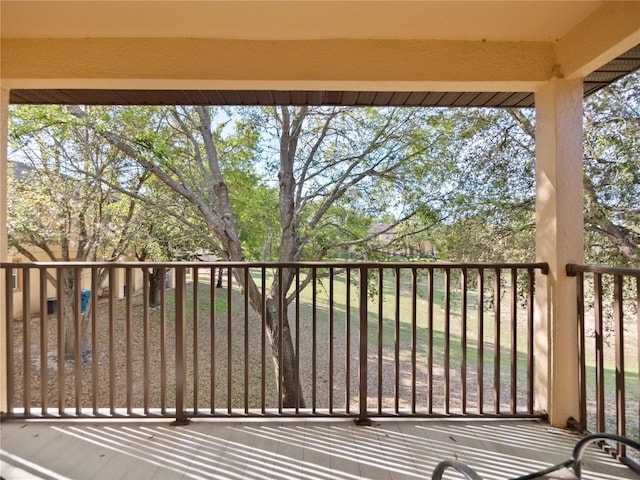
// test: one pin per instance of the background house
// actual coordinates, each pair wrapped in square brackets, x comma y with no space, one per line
[387,238]
[24,253]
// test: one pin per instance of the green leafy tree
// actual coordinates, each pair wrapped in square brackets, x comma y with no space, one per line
[612,173]
[334,167]
[491,217]
[57,213]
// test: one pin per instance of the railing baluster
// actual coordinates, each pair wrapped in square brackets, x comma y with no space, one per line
[44,343]
[112,340]
[246,340]
[638,339]
[61,353]
[331,333]
[463,338]
[530,346]
[582,379]
[496,342]
[129,337]
[314,338]
[281,307]
[212,340]
[514,340]
[618,318]
[396,344]
[414,335]
[146,363]
[180,367]
[363,417]
[163,342]
[26,340]
[9,336]
[263,289]
[447,340]
[480,353]
[347,367]
[196,331]
[229,343]
[430,343]
[95,351]
[600,398]
[380,335]
[297,369]
[77,337]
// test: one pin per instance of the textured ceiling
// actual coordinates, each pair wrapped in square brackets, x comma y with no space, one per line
[623,65]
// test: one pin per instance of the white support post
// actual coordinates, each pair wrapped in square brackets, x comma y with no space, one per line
[559,240]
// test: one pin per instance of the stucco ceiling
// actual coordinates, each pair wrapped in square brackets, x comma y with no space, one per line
[386,52]
[542,21]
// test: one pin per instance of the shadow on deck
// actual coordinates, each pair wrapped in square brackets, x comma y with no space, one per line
[283,449]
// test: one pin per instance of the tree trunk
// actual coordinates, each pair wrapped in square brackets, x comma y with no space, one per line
[70,313]
[85,344]
[155,282]
[290,389]
[69,327]
[286,370]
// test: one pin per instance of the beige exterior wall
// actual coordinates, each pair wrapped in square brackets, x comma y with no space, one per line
[120,284]
[31,291]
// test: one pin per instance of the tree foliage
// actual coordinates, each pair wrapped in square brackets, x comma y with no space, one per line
[56,213]
[289,183]
[612,173]
[491,217]
[305,183]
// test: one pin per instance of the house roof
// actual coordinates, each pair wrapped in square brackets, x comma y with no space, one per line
[378,228]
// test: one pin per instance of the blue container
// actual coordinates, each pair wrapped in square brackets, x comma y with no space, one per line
[84,299]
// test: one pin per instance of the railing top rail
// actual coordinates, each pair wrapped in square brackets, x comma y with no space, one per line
[544,267]
[573,269]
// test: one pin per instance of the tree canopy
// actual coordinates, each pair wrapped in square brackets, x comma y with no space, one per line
[306,183]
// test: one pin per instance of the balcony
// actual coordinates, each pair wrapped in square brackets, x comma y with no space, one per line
[110,402]
[440,360]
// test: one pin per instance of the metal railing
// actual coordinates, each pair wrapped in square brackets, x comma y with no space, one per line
[609,342]
[355,339]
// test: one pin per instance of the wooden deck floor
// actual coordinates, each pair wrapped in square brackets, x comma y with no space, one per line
[312,449]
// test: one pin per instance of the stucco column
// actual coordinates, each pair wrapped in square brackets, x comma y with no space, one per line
[559,240]
[4,249]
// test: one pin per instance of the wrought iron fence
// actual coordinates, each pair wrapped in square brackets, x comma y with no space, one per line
[263,339]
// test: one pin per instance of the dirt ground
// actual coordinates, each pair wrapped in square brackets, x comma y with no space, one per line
[132,365]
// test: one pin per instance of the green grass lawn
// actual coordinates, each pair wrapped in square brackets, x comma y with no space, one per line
[332,316]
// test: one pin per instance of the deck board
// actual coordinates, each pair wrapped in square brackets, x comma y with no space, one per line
[280,449]
[315,463]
